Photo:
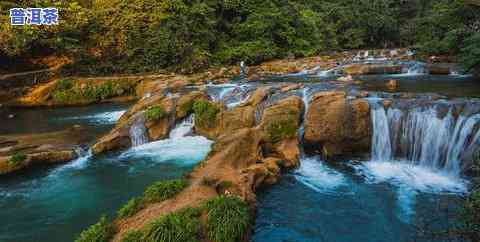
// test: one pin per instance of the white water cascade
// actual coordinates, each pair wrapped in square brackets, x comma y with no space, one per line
[138,132]
[184,128]
[423,137]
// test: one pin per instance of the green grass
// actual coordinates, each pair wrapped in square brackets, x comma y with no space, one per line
[155,113]
[228,219]
[161,191]
[183,225]
[99,232]
[131,208]
[205,113]
[281,129]
[17,159]
[133,236]
[67,91]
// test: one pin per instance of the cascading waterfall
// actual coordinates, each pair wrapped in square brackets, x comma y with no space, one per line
[184,128]
[423,137]
[306,100]
[138,132]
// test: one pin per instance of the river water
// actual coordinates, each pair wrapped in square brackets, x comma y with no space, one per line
[385,196]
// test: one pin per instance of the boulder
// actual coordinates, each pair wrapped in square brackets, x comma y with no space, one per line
[365,69]
[440,68]
[335,125]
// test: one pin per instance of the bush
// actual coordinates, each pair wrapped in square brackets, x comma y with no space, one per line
[131,208]
[99,232]
[183,225]
[155,113]
[205,113]
[133,236]
[281,129]
[228,219]
[16,159]
[67,91]
[164,190]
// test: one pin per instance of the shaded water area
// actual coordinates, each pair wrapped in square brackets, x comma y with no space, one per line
[56,204]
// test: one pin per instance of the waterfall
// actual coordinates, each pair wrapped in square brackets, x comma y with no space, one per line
[423,137]
[184,128]
[416,68]
[138,132]
[306,100]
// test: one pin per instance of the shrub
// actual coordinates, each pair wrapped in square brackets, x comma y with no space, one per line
[16,159]
[183,225]
[99,232]
[63,85]
[161,191]
[228,219]
[131,208]
[281,129]
[133,236]
[205,113]
[154,113]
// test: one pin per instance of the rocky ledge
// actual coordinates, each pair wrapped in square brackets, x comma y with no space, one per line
[19,152]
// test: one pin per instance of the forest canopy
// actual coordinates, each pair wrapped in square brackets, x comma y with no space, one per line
[128,36]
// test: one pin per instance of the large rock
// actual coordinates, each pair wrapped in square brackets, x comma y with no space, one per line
[440,68]
[335,125]
[364,69]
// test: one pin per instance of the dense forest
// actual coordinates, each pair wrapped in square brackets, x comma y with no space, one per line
[105,36]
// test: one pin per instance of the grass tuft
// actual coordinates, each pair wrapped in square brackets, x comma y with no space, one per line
[281,129]
[133,236]
[131,208]
[161,191]
[205,113]
[183,225]
[99,232]
[228,219]
[16,159]
[155,113]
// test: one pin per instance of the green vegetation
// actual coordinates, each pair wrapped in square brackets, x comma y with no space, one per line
[183,225]
[155,113]
[161,191]
[205,113]
[16,159]
[66,91]
[105,37]
[281,129]
[228,219]
[131,208]
[133,236]
[99,232]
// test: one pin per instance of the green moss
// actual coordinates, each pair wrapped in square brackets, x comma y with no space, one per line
[164,190]
[67,91]
[131,208]
[155,113]
[228,219]
[133,236]
[282,129]
[183,225]
[205,113]
[16,159]
[99,232]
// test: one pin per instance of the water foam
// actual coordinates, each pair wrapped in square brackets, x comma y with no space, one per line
[101,118]
[318,176]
